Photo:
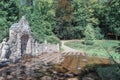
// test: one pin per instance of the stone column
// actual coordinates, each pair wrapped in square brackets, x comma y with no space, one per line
[40,48]
[29,46]
[58,47]
[33,46]
[36,48]
[0,49]
[19,46]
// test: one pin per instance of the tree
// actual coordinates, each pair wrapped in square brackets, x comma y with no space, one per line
[108,15]
[113,20]
[84,14]
[64,18]
[89,34]
[41,20]
[8,15]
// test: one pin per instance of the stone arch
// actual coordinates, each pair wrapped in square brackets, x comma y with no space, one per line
[24,42]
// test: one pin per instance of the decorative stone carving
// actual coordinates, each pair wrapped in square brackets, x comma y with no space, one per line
[20,39]
[4,50]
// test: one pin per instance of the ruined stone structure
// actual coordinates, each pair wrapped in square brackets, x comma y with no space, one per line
[21,41]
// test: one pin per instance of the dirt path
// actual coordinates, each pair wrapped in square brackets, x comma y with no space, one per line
[68,49]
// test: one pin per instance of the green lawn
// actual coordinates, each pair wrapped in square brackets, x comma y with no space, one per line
[100,48]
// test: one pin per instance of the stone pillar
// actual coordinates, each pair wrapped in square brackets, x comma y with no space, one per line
[42,49]
[36,48]
[33,47]
[58,47]
[19,46]
[29,46]
[0,49]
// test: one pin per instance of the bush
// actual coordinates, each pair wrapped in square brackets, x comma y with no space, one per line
[53,40]
[88,42]
[117,48]
[89,34]
[109,73]
[98,34]
[102,71]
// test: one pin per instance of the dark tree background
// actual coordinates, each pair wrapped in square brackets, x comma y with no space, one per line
[66,19]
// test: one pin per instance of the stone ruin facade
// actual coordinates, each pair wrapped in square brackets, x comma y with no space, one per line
[21,42]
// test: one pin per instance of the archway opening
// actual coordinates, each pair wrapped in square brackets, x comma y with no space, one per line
[24,41]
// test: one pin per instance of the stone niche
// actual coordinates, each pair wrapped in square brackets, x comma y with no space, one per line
[20,39]
[21,42]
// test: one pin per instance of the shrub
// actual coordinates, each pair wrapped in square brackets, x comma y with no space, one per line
[53,40]
[88,42]
[102,71]
[98,34]
[109,73]
[117,48]
[89,34]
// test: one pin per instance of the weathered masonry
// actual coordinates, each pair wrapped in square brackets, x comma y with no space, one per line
[21,42]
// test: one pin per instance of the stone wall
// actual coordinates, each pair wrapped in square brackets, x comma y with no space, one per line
[21,41]
[44,48]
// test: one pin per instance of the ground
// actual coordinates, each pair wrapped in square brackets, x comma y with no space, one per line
[74,66]
[74,59]
[101,48]
[68,49]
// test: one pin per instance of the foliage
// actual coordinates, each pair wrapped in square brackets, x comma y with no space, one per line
[53,40]
[109,73]
[98,34]
[84,14]
[8,15]
[103,15]
[102,71]
[38,12]
[108,14]
[117,48]
[41,20]
[89,34]
[114,21]
[64,17]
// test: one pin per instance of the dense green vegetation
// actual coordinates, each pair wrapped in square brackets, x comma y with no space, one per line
[102,14]
[52,20]
[67,19]
[8,14]
[100,48]
[101,72]
[41,21]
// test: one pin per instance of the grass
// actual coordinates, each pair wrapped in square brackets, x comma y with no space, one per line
[100,48]
[61,49]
